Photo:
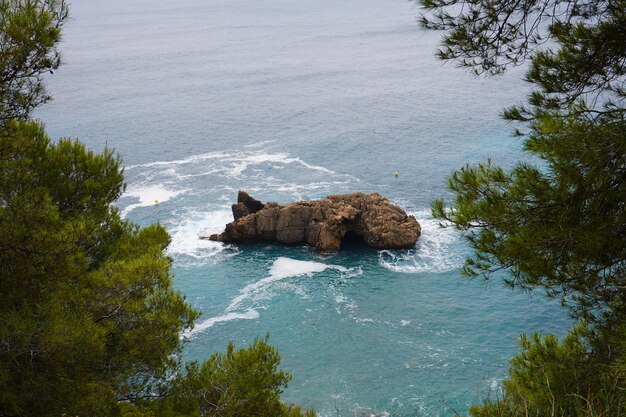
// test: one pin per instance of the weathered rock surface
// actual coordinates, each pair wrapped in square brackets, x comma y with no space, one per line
[245,205]
[322,223]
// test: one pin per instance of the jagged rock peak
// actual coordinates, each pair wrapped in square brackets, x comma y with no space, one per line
[245,205]
[322,223]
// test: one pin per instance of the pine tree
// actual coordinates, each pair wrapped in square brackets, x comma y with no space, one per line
[30,31]
[88,316]
[557,223]
[89,321]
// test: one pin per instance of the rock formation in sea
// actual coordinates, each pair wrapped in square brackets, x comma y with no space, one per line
[322,223]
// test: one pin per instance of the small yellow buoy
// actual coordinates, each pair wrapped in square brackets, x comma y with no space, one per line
[156,201]
[396,174]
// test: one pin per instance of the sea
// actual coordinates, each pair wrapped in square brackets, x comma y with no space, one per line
[295,100]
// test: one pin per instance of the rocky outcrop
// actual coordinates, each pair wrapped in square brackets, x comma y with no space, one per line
[322,223]
[245,205]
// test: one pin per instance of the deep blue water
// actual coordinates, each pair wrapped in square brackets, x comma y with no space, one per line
[297,100]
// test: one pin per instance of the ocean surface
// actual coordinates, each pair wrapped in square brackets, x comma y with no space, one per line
[293,100]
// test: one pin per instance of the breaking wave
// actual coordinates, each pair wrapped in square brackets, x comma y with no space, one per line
[438,249]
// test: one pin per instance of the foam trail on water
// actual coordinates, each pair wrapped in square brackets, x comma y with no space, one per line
[148,196]
[189,160]
[240,161]
[313,167]
[250,314]
[281,268]
[243,163]
[259,144]
[437,249]
[255,159]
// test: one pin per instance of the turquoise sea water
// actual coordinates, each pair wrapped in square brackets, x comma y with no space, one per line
[296,100]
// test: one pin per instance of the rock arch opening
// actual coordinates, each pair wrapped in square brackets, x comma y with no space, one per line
[351,240]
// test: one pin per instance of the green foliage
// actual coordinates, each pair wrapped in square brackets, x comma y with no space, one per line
[558,224]
[239,382]
[576,49]
[242,382]
[564,379]
[88,313]
[488,36]
[589,67]
[89,321]
[30,31]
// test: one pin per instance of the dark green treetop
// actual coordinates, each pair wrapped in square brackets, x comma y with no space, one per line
[30,31]
[88,315]
[240,382]
[559,226]
[558,223]
[89,321]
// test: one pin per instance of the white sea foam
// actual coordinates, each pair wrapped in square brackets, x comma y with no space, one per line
[282,268]
[362,320]
[250,314]
[212,173]
[243,162]
[188,160]
[305,187]
[405,322]
[313,167]
[433,252]
[339,299]
[149,195]
[259,144]
[186,234]
[237,161]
